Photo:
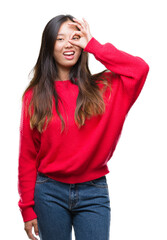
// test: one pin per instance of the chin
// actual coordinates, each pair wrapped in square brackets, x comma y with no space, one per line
[70,63]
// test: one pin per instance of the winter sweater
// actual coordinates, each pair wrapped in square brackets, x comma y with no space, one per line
[79,155]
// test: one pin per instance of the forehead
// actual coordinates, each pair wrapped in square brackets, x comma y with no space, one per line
[65,28]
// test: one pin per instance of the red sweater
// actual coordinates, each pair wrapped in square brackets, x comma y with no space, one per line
[79,155]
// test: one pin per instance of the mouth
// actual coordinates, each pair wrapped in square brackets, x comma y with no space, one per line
[69,54]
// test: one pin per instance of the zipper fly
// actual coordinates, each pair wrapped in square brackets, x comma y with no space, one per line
[73,195]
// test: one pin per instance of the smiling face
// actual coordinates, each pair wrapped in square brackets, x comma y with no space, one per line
[65,54]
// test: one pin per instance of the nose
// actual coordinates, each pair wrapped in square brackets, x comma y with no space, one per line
[68,44]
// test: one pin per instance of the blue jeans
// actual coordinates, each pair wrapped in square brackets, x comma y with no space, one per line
[85,206]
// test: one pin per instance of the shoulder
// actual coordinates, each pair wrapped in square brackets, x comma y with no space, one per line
[28,95]
[108,76]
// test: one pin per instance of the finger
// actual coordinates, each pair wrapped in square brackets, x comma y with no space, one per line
[30,235]
[86,23]
[78,21]
[76,24]
[74,42]
[36,229]
[75,33]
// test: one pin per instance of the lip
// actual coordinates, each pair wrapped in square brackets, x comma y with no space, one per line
[69,57]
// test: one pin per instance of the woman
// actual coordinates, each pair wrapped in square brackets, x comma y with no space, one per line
[70,123]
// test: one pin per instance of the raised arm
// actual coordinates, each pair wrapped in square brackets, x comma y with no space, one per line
[130,69]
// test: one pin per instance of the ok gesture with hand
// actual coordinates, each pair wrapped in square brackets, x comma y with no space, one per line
[84,33]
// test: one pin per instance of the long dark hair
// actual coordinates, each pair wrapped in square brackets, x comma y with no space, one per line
[90,98]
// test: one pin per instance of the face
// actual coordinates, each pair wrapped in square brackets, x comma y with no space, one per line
[62,47]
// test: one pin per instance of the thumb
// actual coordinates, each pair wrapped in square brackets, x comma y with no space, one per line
[73,42]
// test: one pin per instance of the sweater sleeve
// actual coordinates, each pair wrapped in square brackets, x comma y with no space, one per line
[27,165]
[131,70]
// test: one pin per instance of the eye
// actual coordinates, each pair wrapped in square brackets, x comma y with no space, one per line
[59,39]
[76,37]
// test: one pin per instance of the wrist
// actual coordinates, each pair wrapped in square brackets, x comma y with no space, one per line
[88,40]
[89,37]
[93,46]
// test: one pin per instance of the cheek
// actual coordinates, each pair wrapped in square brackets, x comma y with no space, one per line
[78,51]
[57,50]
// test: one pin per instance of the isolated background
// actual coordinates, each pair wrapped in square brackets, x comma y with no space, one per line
[137,179]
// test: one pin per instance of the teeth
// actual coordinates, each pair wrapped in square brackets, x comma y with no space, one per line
[69,53]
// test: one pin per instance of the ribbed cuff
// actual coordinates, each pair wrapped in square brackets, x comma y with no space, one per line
[28,214]
[92,46]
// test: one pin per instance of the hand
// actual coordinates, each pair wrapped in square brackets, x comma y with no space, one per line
[28,228]
[84,33]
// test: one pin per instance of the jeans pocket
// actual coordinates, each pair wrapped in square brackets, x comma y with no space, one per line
[100,182]
[41,178]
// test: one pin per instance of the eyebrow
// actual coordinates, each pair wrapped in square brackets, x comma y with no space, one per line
[60,34]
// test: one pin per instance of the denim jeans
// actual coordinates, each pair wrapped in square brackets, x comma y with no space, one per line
[85,206]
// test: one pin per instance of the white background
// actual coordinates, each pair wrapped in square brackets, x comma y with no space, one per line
[138,169]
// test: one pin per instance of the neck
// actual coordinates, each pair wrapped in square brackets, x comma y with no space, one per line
[63,74]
